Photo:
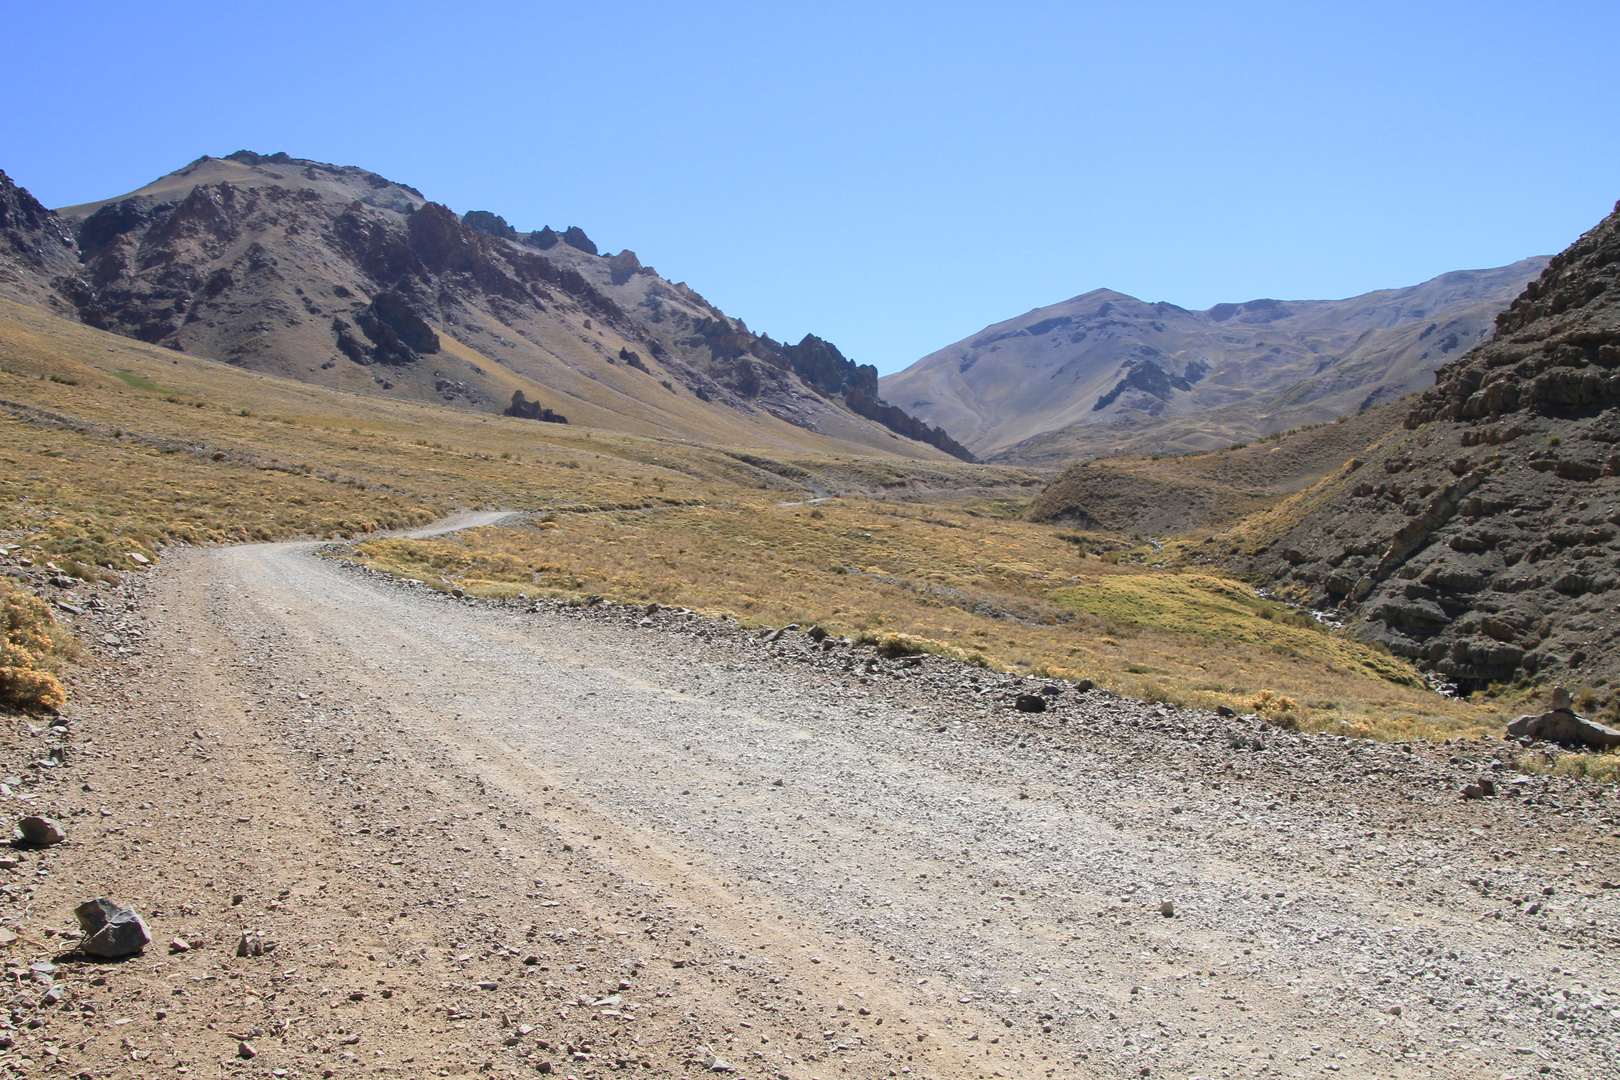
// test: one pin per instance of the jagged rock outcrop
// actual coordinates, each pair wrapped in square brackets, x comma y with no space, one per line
[575,238]
[820,364]
[1483,538]
[532,410]
[36,247]
[489,224]
[337,275]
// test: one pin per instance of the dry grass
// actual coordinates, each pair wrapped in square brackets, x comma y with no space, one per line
[148,446]
[1001,592]
[1602,766]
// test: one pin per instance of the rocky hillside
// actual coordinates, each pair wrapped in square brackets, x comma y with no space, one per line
[1186,493]
[1483,538]
[36,248]
[1106,371]
[336,275]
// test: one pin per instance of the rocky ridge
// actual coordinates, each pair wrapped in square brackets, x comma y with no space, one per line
[336,275]
[1483,538]
[36,248]
[1105,371]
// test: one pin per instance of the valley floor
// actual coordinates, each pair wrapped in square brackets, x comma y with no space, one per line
[491,838]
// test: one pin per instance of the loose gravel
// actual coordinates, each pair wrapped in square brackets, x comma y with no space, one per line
[519,837]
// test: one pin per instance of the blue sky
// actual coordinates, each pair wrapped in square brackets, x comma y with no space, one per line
[890,176]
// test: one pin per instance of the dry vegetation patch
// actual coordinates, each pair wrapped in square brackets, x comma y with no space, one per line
[1005,593]
[111,446]
[32,649]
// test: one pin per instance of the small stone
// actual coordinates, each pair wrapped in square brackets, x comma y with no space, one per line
[110,929]
[1226,711]
[1084,685]
[179,945]
[41,831]
[1030,703]
[1486,785]
[245,1051]
[1167,909]
[1473,791]
[778,783]
[720,1065]
[1394,1010]
[137,558]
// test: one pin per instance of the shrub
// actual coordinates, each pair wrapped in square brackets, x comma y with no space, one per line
[32,641]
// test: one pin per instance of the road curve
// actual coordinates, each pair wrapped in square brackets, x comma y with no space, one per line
[1108,889]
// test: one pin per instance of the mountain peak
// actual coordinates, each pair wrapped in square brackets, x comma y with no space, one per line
[1105,369]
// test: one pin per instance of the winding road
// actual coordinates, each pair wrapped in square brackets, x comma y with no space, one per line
[809,862]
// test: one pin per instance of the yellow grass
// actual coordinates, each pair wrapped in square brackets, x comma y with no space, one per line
[157,446]
[1001,592]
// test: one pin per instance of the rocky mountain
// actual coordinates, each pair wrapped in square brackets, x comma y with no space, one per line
[36,248]
[1483,537]
[1106,371]
[336,275]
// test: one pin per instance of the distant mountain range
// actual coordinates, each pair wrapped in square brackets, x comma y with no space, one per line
[1105,371]
[336,275]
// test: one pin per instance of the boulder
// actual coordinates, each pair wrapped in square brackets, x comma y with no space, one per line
[41,831]
[1030,703]
[110,929]
[1565,726]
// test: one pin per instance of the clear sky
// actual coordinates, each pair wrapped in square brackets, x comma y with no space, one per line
[890,176]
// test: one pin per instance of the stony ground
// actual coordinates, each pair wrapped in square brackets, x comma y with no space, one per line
[502,840]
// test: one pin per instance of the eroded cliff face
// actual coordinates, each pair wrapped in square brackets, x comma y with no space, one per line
[36,248]
[336,275]
[1483,538]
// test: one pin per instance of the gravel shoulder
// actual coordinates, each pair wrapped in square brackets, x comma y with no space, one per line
[501,839]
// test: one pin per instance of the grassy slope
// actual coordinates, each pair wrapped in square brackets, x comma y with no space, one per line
[1190,492]
[151,446]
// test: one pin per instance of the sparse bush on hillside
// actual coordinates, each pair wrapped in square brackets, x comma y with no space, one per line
[32,644]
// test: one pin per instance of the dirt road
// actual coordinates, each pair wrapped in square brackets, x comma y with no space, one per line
[495,839]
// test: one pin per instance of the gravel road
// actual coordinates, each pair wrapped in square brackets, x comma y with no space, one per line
[589,839]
